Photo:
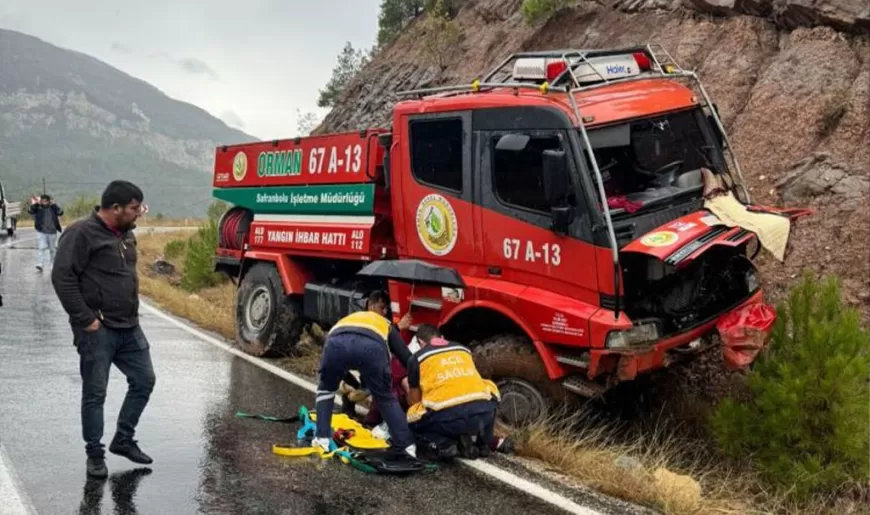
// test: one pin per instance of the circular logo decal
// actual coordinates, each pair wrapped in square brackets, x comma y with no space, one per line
[436,224]
[660,239]
[240,166]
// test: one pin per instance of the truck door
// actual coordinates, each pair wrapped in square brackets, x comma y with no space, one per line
[518,241]
[436,194]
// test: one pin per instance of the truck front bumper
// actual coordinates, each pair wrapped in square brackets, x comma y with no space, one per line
[625,365]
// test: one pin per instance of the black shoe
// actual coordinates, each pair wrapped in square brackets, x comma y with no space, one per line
[483,449]
[447,453]
[39,268]
[130,450]
[506,446]
[97,468]
[467,448]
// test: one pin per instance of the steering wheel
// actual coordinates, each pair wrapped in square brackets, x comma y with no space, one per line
[662,176]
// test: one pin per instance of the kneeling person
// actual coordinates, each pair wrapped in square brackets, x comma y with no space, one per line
[450,402]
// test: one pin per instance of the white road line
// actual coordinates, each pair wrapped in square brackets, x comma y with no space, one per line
[14,499]
[492,471]
[10,243]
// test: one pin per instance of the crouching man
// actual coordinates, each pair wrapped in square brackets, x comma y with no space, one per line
[452,407]
[363,341]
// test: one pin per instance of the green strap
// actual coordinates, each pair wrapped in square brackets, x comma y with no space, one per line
[267,418]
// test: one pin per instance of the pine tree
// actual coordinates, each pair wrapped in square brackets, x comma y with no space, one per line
[350,62]
[807,426]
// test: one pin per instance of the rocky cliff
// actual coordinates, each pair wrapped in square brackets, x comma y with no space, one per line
[79,123]
[791,79]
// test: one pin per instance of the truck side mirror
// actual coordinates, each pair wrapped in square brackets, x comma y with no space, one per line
[715,128]
[557,188]
[386,141]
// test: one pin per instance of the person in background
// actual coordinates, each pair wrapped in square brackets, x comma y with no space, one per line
[46,221]
[96,282]
[452,407]
[363,341]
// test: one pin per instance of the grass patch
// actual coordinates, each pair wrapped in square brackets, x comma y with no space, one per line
[654,470]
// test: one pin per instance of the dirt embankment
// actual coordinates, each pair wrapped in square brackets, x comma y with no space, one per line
[791,79]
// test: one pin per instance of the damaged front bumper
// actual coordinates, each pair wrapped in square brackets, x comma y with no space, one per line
[739,349]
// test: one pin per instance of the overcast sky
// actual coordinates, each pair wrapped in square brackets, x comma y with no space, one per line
[250,62]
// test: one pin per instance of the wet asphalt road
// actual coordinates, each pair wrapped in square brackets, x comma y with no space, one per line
[205,459]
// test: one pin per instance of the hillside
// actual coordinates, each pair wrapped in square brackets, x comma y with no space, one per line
[79,123]
[791,79]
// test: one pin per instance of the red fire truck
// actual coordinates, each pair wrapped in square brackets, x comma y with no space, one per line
[565,188]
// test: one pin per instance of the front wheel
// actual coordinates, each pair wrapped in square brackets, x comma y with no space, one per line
[527,393]
[268,323]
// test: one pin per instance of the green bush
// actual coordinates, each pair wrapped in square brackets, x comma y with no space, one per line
[174,249]
[535,11]
[216,209]
[807,424]
[394,16]
[80,207]
[442,35]
[199,261]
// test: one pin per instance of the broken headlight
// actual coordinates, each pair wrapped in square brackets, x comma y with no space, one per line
[640,335]
[752,283]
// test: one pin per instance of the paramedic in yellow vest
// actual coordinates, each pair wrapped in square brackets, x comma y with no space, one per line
[451,406]
[363,341]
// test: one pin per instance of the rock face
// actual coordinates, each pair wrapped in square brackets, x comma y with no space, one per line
[79,123]
[790,77]
[817,175]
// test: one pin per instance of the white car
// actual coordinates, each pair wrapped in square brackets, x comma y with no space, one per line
[9,213]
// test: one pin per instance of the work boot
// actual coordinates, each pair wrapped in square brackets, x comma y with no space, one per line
[129,449]
[506,446]
[483,450]
[467,448]
[447,452]
[97,468]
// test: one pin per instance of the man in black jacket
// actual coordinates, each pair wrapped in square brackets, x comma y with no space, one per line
[95,279]
[46,221]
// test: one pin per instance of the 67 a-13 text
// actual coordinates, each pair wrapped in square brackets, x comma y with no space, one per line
[549,253]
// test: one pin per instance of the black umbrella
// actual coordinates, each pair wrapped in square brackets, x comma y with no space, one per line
[413,270]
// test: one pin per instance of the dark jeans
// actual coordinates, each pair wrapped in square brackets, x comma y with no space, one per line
[348,351]
[128,350]
[445,426]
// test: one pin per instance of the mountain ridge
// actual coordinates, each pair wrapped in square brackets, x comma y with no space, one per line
[64,106]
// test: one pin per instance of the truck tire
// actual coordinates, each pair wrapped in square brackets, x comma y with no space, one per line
[268,323]
[527,393]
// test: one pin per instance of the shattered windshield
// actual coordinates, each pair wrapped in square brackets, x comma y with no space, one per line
[652,159]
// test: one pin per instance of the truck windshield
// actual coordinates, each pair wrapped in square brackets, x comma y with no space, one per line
[650,160]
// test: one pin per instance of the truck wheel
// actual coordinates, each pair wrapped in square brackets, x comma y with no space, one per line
[527,393]
[268,323]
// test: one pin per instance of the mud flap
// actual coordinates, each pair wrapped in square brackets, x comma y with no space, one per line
[744,332]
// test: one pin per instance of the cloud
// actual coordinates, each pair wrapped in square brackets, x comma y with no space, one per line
[121,48]
[197,67]
[232,119]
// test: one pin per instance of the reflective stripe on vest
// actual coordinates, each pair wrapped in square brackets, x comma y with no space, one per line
[369,320]
[449,378]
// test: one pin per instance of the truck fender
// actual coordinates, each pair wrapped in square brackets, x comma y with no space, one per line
[554,370]
[293,276]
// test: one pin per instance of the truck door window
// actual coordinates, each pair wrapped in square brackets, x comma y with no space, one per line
[518,175]
[436,152]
